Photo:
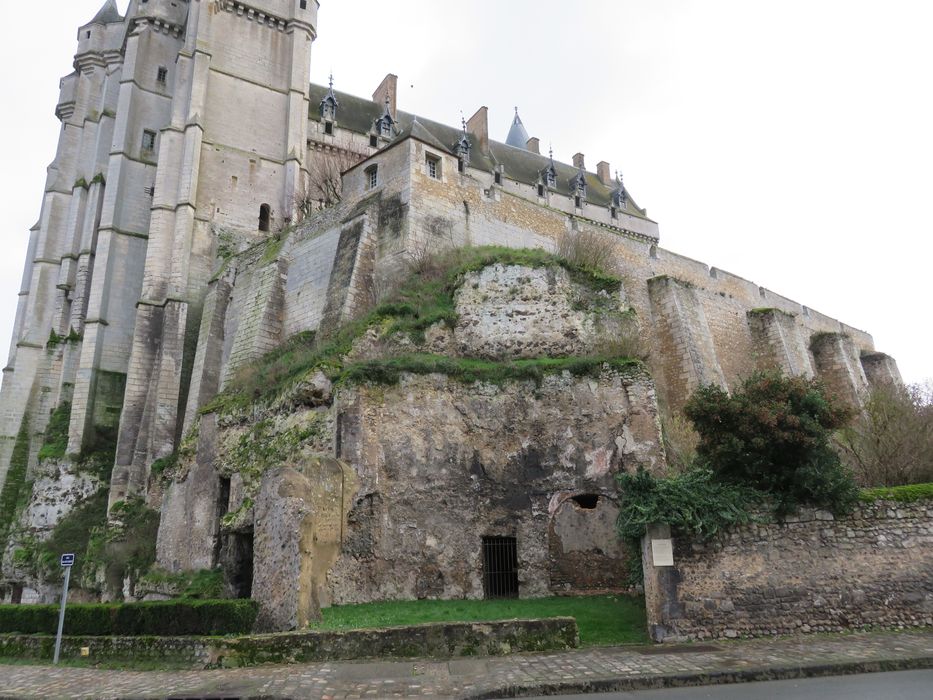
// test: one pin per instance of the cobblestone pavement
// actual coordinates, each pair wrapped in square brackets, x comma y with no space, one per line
[577,671]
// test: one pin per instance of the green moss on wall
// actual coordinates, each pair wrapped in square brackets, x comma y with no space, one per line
[14,488]
[426,299]
[389,371]
[56,433]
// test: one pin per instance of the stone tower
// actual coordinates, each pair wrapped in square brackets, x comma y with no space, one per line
[183,122]
[241,66]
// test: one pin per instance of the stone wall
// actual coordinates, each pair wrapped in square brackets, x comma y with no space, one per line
[812,573]
[437,640]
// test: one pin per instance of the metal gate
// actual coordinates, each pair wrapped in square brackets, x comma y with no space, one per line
[500,567]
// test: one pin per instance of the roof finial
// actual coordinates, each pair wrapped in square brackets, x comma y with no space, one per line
[332,80]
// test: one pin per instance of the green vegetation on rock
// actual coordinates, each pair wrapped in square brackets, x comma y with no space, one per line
[56,433]
[207,584]
[124,545]
[602,620]
[389,371]
[71,535]
[14,487]
[425,299]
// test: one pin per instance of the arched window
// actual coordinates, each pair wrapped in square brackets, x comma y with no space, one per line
[265,217]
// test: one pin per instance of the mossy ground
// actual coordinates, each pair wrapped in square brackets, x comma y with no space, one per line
[606,620]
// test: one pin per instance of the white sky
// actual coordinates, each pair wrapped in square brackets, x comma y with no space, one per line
[787,142]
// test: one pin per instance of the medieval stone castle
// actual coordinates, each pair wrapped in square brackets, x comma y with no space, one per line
[189,225]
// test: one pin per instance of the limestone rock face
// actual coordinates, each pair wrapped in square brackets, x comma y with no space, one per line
[282,551]
[55,494]
[443,464]
[58,489]
[514,312]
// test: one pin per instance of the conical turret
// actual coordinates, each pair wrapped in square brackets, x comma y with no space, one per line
[517,137]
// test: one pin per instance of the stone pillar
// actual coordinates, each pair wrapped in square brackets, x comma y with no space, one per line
[282,552]
[779,342]
[683,339]
[839,367]
[881,370]
[205,375]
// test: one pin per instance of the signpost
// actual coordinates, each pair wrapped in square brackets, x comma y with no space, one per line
[68,560]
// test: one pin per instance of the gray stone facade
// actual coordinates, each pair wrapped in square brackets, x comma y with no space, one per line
[171,251]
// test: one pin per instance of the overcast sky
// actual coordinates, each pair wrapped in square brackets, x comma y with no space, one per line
[789,142]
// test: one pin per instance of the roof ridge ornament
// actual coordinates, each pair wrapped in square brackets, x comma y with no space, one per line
[330,103]
[619,195]
[463,146]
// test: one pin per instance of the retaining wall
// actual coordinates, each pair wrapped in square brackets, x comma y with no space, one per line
[811,573]
[438,640]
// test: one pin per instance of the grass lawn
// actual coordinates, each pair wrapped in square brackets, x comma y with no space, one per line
[603,620]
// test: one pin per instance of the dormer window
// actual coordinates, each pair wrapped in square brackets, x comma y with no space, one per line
[329,106]
[619,199]
[578,188]
[551,178]
[385,123]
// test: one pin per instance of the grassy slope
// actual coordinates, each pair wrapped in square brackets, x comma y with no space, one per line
[602,620]
[425,299]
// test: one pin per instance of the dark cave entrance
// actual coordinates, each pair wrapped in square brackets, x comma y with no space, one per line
[237,557]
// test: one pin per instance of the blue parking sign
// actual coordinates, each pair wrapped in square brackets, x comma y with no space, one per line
[68,560]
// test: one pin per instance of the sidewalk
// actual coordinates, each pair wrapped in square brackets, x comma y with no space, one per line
[599,669]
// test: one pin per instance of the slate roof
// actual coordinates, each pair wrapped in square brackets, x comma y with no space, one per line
[108,14]
[358,114]
[518,135]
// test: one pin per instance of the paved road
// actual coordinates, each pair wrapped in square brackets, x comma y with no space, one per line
[906,685]
[522,674]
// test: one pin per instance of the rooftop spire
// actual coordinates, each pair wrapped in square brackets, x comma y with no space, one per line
[107,14]
[517,137]
[330,104]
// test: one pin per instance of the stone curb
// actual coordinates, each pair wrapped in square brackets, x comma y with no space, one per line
[682,680]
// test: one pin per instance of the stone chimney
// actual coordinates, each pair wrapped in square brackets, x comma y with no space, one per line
[534,145]
[602,170]
[388,88]
[578,161]
[478,126]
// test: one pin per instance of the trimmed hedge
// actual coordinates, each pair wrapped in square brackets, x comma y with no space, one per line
[170,618]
